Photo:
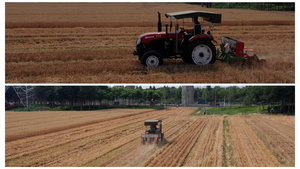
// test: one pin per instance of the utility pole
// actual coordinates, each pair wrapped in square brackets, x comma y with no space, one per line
[224,96]
[23,92]
[27,104]
[215,98]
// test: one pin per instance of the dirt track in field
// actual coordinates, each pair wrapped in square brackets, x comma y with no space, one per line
[86,50]
[256,140]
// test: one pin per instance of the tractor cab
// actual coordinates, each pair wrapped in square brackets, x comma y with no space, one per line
[153,131]
[193,46]
[152,126]
[187,17]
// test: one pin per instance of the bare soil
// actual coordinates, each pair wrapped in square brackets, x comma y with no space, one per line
[115,142]
[83,44]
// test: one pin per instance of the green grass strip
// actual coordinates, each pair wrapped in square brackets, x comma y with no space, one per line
[229,110]
[228,158]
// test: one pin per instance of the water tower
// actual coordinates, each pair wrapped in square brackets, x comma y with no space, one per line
[187,95]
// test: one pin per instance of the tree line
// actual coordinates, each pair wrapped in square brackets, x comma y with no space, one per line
[104,95]
[266,6]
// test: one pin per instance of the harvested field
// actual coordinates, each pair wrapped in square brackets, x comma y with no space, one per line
[82,44]
[208,150]
[115,140]
[47,122]
[248,148]
[276,133]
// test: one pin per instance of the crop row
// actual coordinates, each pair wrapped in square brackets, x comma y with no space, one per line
[249,150]
[278,135]
[56,149]
[195,141]
[175,153]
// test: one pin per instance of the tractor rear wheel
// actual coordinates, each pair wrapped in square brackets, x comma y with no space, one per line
[152,58]
[201,53]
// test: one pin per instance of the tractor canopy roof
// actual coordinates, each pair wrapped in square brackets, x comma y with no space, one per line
[152,122]
[207,16]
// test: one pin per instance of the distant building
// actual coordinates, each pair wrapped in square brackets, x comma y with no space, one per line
[187,95]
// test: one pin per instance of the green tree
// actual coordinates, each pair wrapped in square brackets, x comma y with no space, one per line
[150,94]
[197,94]
[165,93]
[87,94]
[178,94]
[46,93]
[138,94]
[223,93]
[101,95]
[157,95]
[145,94]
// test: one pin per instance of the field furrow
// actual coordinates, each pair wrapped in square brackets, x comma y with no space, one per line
[55,123]
[190,141]
[66,136]
[83,138]
[177,150]
[278,137]
[44,48]
[249,150]
[135,156]
[208,150]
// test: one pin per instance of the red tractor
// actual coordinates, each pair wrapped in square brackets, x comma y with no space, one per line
[153,132]
[193,46]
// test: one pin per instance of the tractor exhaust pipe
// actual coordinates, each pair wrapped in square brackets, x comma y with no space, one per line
[159,23]
[167,43]
[167,37]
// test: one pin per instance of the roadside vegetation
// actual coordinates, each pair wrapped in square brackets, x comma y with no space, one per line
[244,100]
[256,6]
[45,107]
[245,110]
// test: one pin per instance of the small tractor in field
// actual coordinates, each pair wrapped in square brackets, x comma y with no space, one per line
[194,46]
[153,132]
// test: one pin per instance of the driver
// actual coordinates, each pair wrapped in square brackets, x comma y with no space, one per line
[195,31]
[197,27]
[152,129]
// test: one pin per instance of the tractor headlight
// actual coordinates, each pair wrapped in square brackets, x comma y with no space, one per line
[139,40]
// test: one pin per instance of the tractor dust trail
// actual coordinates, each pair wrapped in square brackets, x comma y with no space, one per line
[136,156]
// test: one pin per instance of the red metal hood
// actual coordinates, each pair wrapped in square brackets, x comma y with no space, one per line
[146,37]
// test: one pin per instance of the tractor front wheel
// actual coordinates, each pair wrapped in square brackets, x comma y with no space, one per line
[152,58]
[202,53]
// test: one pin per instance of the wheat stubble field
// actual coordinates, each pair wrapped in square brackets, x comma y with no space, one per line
[93,43]
[42,139]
